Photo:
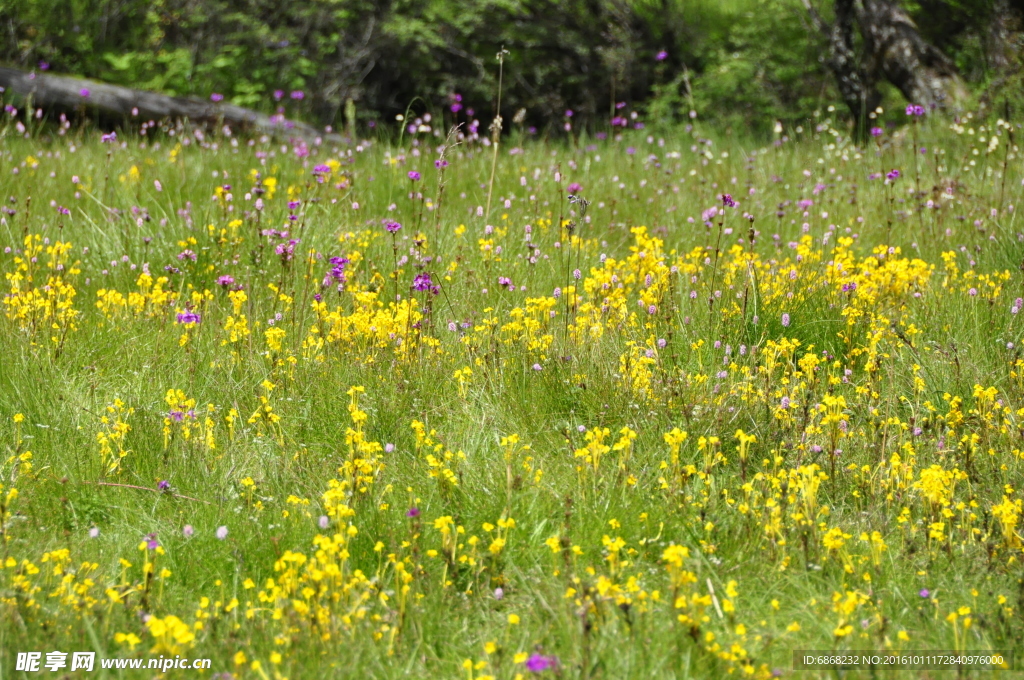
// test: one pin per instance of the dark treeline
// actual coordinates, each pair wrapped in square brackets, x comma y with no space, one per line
[741,62]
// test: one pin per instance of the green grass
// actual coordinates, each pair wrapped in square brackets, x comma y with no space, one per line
[750,594]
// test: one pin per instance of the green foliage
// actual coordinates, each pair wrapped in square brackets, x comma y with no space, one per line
[764,71]
[743,62]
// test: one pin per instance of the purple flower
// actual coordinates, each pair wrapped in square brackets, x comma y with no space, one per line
[278,95]
[188,317]
[414,176]
[785,320]
[876,132]
[924,592]
[286,250]
[84,92]
[392,227]
[187,531]
[164,485]
[422,282]
[568,113]
[574,188]
[216,97]
[440,163]
[108,138]
[892,175]
[324,521]
[151,544]
[538,663]
[321,172]
[727,201]
[336,272]
[225,281]
[915,110]
[661,56]
[43,66]
[298,95]
[222,532]
[412,512]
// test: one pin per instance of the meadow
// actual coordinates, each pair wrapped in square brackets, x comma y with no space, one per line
[662,404]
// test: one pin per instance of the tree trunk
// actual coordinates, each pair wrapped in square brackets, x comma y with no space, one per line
[919,70]
[998,41]
[122,102]
[856,86]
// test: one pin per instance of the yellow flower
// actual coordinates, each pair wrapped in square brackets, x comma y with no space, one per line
[130,639]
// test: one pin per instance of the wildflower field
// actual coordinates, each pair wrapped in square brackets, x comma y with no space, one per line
[655,405]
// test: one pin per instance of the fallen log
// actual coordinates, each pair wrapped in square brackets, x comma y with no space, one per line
[65,92]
